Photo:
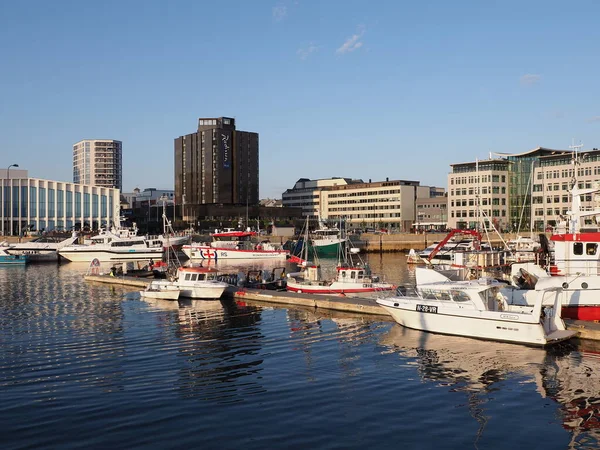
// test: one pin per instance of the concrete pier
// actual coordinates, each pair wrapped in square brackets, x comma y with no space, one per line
[358,305]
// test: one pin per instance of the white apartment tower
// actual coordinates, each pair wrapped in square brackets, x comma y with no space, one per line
[98,162]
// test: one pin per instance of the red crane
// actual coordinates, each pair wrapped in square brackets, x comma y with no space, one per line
[449,236]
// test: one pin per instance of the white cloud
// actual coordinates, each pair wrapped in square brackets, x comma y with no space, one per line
[594,119]
[530,79]
[304,53]
[352,43]
[279,12]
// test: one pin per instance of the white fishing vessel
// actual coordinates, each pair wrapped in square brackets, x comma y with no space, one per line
[232,244]
[195,283]
[477,309]
[41,249]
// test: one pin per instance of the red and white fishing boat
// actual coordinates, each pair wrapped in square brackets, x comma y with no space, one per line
[232,244]
[348,280]
[574,262]
[352,275]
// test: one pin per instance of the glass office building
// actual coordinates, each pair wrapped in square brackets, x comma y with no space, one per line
[44,205]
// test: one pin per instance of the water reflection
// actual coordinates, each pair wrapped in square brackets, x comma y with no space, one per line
[55,329]
[218,349]
[568,375]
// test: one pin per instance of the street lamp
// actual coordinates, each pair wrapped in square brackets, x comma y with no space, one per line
[10,224]
[8,170]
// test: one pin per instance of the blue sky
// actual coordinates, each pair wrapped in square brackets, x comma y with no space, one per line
[348,88]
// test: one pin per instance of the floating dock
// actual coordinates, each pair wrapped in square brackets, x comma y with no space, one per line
[587,330]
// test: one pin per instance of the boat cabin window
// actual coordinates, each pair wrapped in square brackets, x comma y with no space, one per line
[188,276]
[361,274]
[590,248]
[353,275]
[343,274]
[578,248]
[430,294]
[122,243]
[460,296]
[201,277]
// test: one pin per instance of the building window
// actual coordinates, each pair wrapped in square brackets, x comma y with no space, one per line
[42,202]
[33,202]
[77,204]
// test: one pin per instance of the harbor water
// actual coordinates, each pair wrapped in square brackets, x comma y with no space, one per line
[86,365]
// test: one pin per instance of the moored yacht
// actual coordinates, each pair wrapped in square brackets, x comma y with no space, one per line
[477,309]
[41,249]
[110,246]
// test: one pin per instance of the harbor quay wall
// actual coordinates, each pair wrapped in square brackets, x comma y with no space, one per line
[403,242]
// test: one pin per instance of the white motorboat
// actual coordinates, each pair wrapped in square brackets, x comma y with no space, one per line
[161,292]
[107,247]
[233,244]
[477,309]
[195,283]
[41,249]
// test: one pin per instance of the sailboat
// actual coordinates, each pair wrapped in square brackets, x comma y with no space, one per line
[352,275]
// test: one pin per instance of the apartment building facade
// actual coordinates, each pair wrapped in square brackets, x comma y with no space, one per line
[98,162]
[554,176]
[499,190]
[44,205]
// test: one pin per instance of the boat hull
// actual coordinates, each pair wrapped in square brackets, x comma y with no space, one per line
[329,249]
[483,327]
[161,294]
[201,290]
[205,253]
[337,288]
[36,256]
[13,260]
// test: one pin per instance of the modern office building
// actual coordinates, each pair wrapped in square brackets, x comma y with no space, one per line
[500,189]
[98,162]
[381,204]
[554,176]
[216,165]
[306,193]
[389,204]
[43,205]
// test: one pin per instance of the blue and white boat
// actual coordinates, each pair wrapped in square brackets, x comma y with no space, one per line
[7,259]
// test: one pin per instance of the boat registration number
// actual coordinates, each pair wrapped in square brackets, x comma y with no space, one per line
[427,309]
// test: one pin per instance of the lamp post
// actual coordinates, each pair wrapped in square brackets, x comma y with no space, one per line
[10,215]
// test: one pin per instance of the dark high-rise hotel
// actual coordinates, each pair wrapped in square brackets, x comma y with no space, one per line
[216,165]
